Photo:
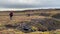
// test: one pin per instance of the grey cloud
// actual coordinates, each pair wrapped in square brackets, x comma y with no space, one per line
[35,4]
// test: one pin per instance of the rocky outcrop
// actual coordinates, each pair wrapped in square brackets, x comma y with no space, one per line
[42,24]
[57,16]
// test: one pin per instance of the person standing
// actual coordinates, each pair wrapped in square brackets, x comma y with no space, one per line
[11,15]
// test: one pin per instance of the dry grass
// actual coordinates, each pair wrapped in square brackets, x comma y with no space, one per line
[6,20]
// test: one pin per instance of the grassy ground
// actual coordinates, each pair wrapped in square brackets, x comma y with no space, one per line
[5,20]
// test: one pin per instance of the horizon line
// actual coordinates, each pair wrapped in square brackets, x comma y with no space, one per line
[22,9]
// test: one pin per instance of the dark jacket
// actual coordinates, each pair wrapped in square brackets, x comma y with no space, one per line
[11,14]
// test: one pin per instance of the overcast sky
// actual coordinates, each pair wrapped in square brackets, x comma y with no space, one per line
[19,4]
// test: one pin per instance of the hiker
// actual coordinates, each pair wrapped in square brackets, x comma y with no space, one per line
[11,15]
[28,14]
